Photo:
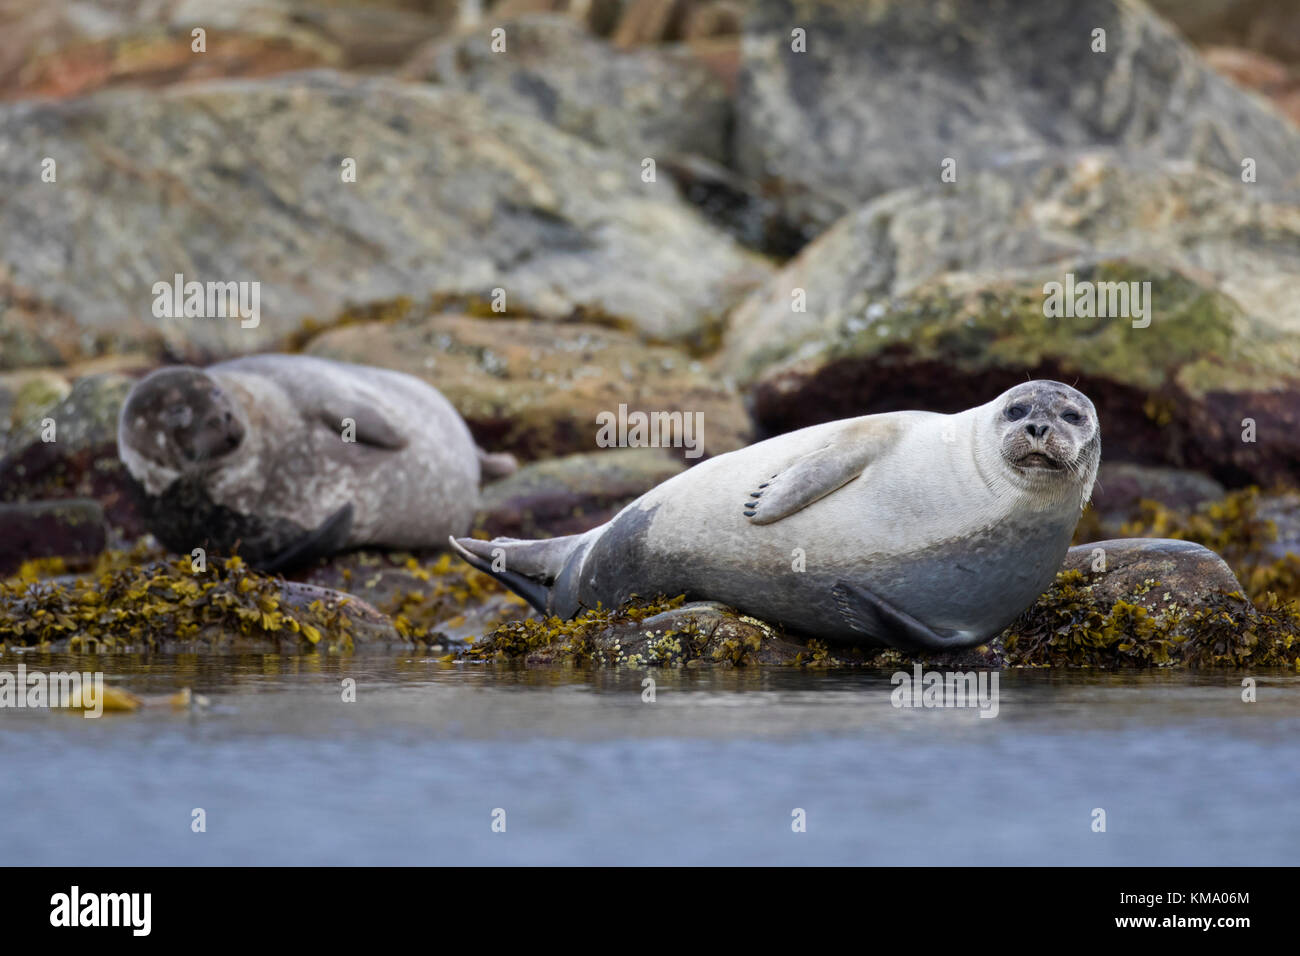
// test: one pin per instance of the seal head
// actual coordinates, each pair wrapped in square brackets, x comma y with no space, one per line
[180,419]
[1047,435]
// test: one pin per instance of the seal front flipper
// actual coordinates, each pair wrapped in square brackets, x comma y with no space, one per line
[330,537]
[370,426]
[815,475]
[875,617]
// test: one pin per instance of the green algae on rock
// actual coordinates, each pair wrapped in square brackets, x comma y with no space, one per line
[167,604]
[1174,393]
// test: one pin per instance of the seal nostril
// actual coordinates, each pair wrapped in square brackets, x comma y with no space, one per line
[1037,431]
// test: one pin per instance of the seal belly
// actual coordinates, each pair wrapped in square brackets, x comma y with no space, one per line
[974,584]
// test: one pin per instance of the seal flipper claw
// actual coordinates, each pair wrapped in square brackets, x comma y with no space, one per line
[331,536]
[875,617]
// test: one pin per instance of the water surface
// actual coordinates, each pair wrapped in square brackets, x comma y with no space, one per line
[587,772]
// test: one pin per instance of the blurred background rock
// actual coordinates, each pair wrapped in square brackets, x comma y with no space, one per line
[775,171]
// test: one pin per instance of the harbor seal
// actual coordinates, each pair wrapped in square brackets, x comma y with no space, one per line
[915,530]
[287,458]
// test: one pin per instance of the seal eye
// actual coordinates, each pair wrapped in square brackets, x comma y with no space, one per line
[1017,412]
[1074,418]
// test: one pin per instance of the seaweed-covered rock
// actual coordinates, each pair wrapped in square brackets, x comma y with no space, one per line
[1255,533]
[1155,603]
[645,101]
[252,183]
[1151,603]
[659,633]
[534,388]
[435,600]
[81,459]
[69,528]
[885,90]
[152,605]
[572,494]
[1156,573]
[1122,486]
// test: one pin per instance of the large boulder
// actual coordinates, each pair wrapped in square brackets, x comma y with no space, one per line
[950,284]
[650,102]
[248,186]
[886,90]
[535,388]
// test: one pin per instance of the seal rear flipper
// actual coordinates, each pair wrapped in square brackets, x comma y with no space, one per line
[875,617]
[818,473]
[331,536]
[534,592]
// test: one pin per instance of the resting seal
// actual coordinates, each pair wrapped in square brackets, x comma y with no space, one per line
[254,452]
[916,530]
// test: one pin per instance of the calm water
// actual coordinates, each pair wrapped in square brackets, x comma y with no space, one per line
[588,773]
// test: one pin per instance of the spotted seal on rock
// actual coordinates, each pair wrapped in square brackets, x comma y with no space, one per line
[289,458]
[909,529]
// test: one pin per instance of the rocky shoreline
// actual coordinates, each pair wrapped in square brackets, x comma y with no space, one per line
[672,210]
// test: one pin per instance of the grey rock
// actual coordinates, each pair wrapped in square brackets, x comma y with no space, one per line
[1160,574]
[241,181]
[888,89]
[648,101]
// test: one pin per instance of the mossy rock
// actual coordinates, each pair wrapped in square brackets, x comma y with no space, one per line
[662,632]
[1174,393]
[24,396]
